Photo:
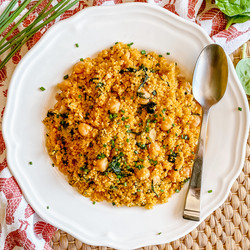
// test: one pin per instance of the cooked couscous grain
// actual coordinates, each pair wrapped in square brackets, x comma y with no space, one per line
[124,127]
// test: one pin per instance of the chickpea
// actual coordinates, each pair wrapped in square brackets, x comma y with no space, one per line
[143,173]
[154,149]
[64,85]
[84,129]
[102,164]
[195,121]
[144,94]
[152,134]
[114,106]
[167,124]
[78,67]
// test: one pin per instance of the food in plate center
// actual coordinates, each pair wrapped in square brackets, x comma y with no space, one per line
[125,127]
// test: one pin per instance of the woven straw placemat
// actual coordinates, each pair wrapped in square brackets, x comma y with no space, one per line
[226,228]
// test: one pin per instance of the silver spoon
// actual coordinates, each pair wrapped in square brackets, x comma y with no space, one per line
[209,85]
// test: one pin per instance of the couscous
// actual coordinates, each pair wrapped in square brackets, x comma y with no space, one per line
[125,127]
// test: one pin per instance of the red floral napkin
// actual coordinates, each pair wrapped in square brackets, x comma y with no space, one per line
[19,224]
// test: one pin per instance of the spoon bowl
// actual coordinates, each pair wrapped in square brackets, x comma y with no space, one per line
[210,76]
[209,86]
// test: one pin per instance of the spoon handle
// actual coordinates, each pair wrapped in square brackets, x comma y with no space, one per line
[192,204]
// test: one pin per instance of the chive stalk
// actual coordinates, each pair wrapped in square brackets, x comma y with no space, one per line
[11,18]
[22,37]
[21,19]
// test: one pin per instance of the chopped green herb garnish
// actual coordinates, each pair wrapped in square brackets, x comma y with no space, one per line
[140,145]
[130,44]
[172,157]
[127,140]
[93,202]
[104,145]
[154,92]
[113,203]
[173,125]
[42,88]
[47,207]
[127,126]
[151,161]
[122,111]
[142,95]
[66,77]
[210,191]
[77,45]
[93,79]
[99,85]
[64,123]
[79,96]
[101,156]
[164,146]
[81,59]
[153,189]
[160,55]
[168,53]
[159,233]
[162,190]
[125,184]
[53,165]
[115,165]
[143,52]
[30,163]
[136,152]
[239,108]
[177,190]
[50,114]
[116,42]
[163,111]
[139,166]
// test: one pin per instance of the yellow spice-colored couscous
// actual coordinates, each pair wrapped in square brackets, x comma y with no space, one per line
[124,128]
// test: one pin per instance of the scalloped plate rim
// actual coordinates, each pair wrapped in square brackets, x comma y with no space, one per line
[9,106]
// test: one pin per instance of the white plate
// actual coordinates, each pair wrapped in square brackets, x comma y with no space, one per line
[94,29]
